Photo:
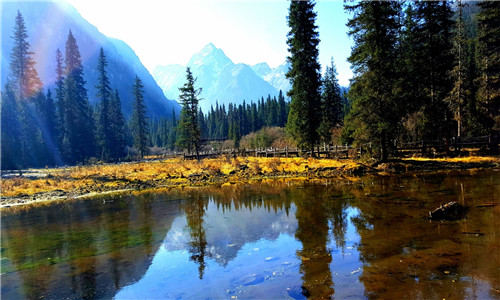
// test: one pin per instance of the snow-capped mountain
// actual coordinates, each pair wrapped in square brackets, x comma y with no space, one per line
[221,80]
[48,25]
[275,77]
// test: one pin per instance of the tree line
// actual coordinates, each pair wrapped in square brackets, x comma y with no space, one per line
[422,70]
[45,128]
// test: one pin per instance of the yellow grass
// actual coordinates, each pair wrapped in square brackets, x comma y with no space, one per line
[175,172]
[167,172]
[467,159]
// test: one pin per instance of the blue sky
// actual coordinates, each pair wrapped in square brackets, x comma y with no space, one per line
[170,32]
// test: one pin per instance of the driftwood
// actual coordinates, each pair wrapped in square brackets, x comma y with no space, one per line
[449,211]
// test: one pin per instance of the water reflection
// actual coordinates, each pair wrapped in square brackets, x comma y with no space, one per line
[286,239]
[195,210]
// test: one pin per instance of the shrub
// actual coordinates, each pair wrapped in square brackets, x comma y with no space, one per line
[266,137]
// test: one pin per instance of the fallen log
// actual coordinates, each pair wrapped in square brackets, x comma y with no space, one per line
[449,211]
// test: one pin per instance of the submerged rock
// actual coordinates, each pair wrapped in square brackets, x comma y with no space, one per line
[449,211]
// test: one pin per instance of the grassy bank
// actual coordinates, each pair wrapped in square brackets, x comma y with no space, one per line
[48,184]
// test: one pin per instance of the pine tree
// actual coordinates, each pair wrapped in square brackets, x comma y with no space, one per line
[489,39]
[48,127]
[282,113]
[139,122]
[27,87]
[11,130]
[117,127]
[304,74]
[189,130]
[104,127]
[434,37]
[22,66]
[60,106]
[375,113]
[331,104]
[79,139]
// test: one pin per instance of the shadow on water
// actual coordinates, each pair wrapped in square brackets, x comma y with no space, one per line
[278,239]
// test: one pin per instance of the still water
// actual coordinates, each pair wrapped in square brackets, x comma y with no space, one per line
[280,239]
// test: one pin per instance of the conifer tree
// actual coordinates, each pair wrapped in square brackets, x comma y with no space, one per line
[434,33]
[489,39]
[104,127]
[26,86]
[59,97]
[375,113]
[331,104]
[11,130]
[189,131]
[304,74]
[48,127]
[117,127]
[79,139]
[22,66]
[139,122]
[460,97]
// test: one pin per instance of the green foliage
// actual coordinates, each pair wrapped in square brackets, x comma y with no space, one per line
[331,104]
[189,127]
[375,111]
[117,127]
[489,80]
[305,107]
[139,123]
[264,138]
[103,122]
[11,130]
[79,138]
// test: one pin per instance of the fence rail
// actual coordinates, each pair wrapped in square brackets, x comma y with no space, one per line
[345,151]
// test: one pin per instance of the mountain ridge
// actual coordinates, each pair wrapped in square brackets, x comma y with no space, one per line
[43,18]
[222,81]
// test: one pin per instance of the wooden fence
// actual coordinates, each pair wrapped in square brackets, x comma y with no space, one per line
[346,151]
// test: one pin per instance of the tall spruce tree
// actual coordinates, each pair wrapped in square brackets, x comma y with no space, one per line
[59,98]
[375,113]
[27,87]
[489,50]
[11,130]
[331,104]
[189,130]
[461,94]
[79,138]
[104,127]
[139,122]
[434,33]
[22,66]
[304,116]
[117,127]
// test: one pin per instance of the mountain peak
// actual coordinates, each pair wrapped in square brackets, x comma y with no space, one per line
[210,56]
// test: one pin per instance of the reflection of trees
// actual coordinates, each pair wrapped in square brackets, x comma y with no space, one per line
[195,210]
[312,232]
[34,252]
[82,247]
[405,255]
[338,216]
[117,228]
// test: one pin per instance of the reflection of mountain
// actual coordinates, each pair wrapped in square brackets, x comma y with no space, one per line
[227,235]
[87,249]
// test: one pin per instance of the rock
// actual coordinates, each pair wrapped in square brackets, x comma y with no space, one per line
[305,292]
[449,211]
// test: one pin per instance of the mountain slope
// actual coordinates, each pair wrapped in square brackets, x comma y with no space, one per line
[221,80]
[48,24]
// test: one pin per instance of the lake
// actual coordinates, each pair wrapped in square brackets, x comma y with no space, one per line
[286,239]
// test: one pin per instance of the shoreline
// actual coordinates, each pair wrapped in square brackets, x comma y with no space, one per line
[91,181]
